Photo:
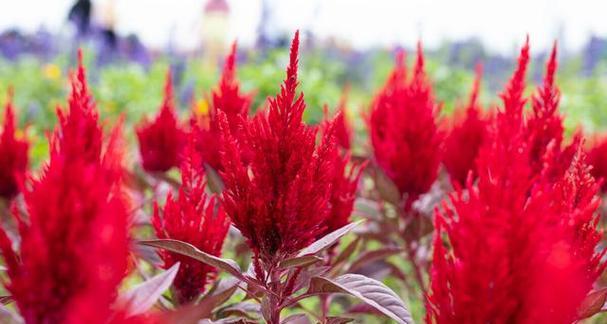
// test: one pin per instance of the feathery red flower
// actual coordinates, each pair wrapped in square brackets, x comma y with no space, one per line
[161,141]
[597,158]
[228,99]
[465,137]
[74,238]
[545,125]
[343,129]
[344,180]
[13,154]
[403,130]
[279,198]
[195,218]
[524,245]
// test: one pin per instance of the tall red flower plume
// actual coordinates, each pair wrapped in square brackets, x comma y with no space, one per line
[597,158]
[161,141]
[525,245]
[74,236]
[344,180]
[228,99]
[195,218]
[279,198]
[545,125]
[465,137]
[13,155]
[343,129]
[403,130]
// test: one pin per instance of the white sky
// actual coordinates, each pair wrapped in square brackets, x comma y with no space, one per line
[501,25]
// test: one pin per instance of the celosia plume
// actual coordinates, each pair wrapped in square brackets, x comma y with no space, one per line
[403,130]
[465,137]
[344,180]
[279,198]
[545,125]
[195,218]
[13,154]
[161,141]
[343,129]
[522,243]
[597,158]
[228,99]
[74,235]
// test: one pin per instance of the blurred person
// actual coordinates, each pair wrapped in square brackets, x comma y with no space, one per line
[80,16]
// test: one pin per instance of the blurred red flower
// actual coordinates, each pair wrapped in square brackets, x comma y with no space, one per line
[526,246]
[161,141]
[13,155]
[403,130]
[228,99]
[464,138]
[192,217]
[545,125]
[74,238]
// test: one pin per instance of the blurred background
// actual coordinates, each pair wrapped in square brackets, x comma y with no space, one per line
[348,44]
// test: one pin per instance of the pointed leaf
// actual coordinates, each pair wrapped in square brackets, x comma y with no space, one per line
[338,320]
[328,240]
[213,179]
[593,303]
[296,319]
[370,256]
[142,297]
[299,261]
[230,266]
[370,291]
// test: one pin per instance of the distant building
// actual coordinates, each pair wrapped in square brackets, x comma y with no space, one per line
[215,23]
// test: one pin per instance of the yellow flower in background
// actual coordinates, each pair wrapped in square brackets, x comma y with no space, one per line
[202,108]
[52,71]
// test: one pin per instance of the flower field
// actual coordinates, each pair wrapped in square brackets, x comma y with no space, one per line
[284,191]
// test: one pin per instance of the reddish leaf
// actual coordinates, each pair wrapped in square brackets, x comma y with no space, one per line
[327,240]
[593,303]
[230,266]
[370,291]
[143,296]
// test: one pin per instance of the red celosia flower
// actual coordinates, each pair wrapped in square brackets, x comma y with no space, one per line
[280,197]
[597,158]
[524,246]
[343,129]
[161,141]
[228,99]
[13,155]
[403,130]
[74,243]
[344,182]
[545,125]
[464,138]
[195,218]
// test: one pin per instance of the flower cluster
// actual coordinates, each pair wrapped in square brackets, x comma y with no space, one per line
[403,130]
[74,235]
[229,100]
[521,241]
[195,218]
[465,137]
[278,180]
[13,155]
[161,141]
